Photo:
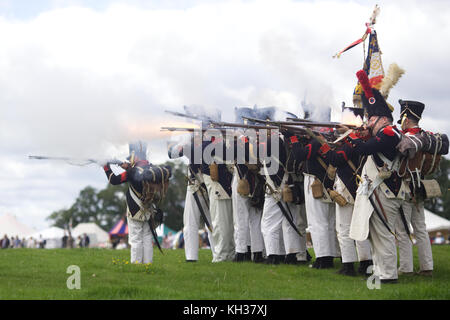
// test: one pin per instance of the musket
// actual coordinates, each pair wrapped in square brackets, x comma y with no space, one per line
[241,125]
[221,126]
[296,128]
[80,162]
[309,123]
[178,129]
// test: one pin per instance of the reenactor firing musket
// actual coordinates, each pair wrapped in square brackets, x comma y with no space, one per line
[79,162]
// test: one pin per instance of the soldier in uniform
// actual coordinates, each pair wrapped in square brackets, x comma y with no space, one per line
[217,177]
[280,218]
[413,208]
[347,181]
[247,203]
[196,203]
[382,192]
[138,212]
[320,209]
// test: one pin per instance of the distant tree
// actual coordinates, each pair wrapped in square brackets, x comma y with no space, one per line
[441,205]
[61,218]
[104,208]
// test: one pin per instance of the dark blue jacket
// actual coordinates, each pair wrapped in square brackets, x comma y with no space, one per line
[384,142]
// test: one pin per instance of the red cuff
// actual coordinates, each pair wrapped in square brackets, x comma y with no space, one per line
[106,167]
[294,139]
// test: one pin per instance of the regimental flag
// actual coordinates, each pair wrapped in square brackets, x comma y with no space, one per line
[373,68]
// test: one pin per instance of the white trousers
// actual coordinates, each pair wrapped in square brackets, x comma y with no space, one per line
[351,250]
[384,250]
[301,226]
[279,236]
[141,241]
[321,218]
[247,222]
[191,222]
[221,211]
[416,217]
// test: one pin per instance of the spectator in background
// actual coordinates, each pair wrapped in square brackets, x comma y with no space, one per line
[86,240]
[166,243]
[17,242]
[79,242]
[121,245]
[41,242]
[170,239]
[23,243]
[5,242]
[439,239]
[64,239]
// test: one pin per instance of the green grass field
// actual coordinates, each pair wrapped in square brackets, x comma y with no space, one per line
[106,274]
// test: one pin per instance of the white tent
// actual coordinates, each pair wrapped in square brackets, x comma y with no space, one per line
[10,226]
[435,222]
[52,235]
[97,236]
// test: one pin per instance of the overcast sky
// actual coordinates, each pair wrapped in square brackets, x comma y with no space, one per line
[82,78]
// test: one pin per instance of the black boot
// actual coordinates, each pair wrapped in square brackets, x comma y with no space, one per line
[348,269]
[317,264]
[281,258]
[239,257]
[327,263]
[363,265]
[248,254]
[272,259]
[258,257]
[291,258]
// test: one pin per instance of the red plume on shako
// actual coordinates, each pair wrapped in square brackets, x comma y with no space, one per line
[372,100]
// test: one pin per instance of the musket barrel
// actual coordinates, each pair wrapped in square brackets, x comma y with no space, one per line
[73,160]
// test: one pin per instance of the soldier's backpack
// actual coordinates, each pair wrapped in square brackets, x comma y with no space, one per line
[422,154]
[155,183]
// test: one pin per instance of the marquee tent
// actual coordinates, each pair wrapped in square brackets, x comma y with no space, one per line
[10,226]
[97,236]
[52,236]
[435,222]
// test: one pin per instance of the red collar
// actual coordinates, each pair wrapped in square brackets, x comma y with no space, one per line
[141,163]
[412,130]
